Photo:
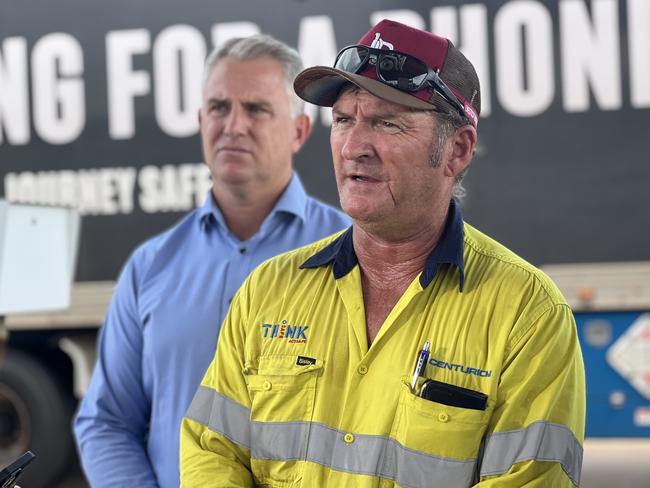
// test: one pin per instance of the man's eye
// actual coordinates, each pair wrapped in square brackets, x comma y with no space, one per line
[218,107]
[385,124]
[341,120]
[257,109]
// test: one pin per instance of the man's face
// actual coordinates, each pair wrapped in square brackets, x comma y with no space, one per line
[382,160]
[248,131]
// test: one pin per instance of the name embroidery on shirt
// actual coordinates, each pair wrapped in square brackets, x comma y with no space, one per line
[293,334]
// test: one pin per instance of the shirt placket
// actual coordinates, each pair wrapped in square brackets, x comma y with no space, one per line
[363,358]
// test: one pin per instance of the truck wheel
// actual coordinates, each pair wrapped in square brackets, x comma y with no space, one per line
[35,414]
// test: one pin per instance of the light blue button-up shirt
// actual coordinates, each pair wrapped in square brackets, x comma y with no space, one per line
[161,329]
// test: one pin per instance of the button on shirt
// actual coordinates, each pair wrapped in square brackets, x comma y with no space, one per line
[161,331]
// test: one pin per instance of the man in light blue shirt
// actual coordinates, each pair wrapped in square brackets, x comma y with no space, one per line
[161,328]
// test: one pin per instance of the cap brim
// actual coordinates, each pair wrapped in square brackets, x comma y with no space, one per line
[321,85]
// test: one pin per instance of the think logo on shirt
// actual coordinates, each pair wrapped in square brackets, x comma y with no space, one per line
[293,334]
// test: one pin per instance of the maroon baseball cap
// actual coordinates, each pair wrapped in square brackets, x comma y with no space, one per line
[321,85]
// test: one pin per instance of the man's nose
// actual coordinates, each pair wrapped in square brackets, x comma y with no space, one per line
[237,122]
[358,143]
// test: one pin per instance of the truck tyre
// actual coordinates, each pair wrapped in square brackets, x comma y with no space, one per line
[35,414]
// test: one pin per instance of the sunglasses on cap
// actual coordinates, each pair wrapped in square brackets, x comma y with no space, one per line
[396,69]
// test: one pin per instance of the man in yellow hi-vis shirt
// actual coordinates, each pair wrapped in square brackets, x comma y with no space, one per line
[410,350]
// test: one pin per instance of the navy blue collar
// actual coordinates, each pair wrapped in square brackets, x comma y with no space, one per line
[449,250]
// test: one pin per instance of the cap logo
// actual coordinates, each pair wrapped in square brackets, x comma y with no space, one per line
[471,114]
[379,43]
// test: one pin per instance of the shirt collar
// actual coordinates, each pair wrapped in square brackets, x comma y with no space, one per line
[293,201]
[209,212]
[449,250]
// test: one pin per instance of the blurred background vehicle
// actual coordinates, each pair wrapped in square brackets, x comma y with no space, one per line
[98,110]
[38,252]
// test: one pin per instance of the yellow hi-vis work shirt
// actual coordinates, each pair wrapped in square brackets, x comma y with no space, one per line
[295,397]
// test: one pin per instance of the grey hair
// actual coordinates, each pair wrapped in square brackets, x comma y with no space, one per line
[446,123]
[260,46]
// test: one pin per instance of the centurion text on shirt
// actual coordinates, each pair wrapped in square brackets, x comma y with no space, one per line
[580,59]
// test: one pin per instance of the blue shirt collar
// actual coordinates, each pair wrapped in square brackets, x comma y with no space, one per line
[293,201]
[449,250]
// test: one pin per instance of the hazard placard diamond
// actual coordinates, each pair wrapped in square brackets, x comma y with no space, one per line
[629,356]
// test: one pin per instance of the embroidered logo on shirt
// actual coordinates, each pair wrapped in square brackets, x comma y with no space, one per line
[483,373]
[293,334]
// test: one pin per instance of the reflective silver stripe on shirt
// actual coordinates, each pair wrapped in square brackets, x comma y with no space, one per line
[372,455]
[541,441]
[220,414]
[380,455]
[367,454]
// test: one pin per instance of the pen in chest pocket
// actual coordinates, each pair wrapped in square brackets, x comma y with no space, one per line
[421,363]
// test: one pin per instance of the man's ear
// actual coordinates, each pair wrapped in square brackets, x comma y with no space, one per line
[461,145]
[200,117]
[303,129]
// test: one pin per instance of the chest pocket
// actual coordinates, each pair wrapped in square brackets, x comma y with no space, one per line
[440,430]
[282,390]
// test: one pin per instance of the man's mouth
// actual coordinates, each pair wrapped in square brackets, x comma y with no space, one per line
[233,149]
[363,178]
